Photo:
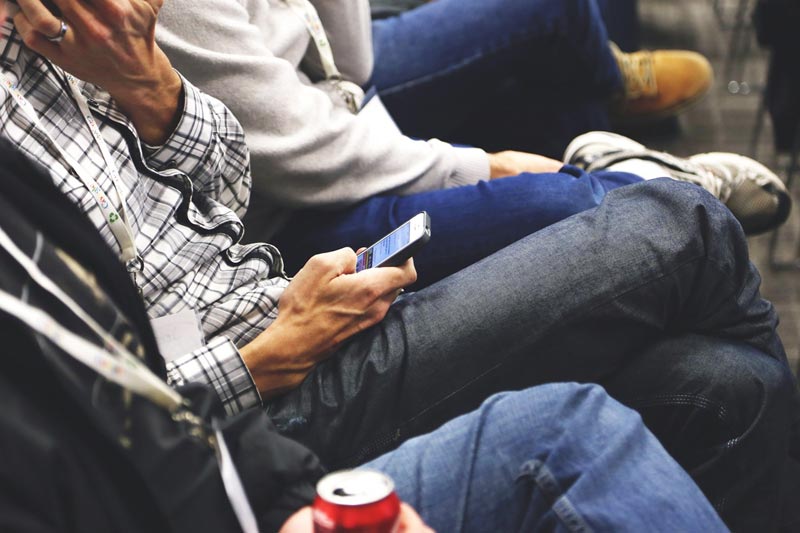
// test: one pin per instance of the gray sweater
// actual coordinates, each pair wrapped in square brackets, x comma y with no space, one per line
[307,149]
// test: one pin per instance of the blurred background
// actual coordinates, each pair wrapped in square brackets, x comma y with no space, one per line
[735,116]
[727,120]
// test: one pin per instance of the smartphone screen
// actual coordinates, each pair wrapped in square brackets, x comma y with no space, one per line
[385,248]
[397,247]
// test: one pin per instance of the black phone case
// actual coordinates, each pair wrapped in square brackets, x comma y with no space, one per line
[408,252]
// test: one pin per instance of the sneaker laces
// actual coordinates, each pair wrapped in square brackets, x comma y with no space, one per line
[716,179]
[727,180]
[638,72]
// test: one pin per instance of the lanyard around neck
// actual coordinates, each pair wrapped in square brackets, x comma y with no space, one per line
[116,219]
[352,94]
[122,368]
[125,369]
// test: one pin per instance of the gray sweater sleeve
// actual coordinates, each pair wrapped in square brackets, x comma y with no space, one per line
[306,149]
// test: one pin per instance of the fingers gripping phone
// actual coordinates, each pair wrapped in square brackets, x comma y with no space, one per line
[397,247]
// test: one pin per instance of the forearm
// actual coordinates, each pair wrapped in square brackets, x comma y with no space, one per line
[274,369]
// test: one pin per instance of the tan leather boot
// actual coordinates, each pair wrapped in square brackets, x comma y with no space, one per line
[660,83]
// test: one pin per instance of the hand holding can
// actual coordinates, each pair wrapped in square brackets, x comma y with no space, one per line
[356,501]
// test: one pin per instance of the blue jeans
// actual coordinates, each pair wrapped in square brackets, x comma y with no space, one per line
[552,458]
[651,295]
[499,74]
[622,22]
[467,223]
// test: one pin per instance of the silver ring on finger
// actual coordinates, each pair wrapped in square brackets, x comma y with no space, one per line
[61,33]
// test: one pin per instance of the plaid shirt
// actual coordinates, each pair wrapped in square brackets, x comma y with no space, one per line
[183,200]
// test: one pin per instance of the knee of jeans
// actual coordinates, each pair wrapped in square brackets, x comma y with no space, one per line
[688,207]
[561,406]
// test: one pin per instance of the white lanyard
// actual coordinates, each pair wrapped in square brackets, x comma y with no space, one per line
[352,93]
[126,370]
[233,485]
[116,220]
[130,374]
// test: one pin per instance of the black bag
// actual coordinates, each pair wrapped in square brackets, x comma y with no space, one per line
[78,452]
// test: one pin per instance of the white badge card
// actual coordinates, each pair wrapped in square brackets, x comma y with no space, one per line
[377,113]
[178,334]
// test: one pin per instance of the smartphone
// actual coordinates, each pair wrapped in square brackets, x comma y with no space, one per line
[397,247]
[52,7]
[48,4]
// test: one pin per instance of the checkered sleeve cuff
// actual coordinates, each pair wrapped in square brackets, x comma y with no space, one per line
[187,148]
[218,364]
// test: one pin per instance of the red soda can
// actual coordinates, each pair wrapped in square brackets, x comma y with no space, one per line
[356,501]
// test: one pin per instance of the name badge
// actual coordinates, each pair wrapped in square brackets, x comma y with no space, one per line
[178,334]
[377,113]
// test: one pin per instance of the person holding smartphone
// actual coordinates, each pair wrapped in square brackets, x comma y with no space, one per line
[670,311]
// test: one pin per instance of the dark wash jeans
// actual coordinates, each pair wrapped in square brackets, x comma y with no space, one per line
[499,74]
[651,295]
[467,223]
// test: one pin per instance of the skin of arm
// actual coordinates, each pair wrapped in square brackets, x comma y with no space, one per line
[511,163]
[111,43]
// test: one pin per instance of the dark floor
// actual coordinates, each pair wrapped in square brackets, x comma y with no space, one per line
[724,122]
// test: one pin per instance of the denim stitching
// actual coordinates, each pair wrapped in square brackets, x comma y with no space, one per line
[684,399]
[559,502]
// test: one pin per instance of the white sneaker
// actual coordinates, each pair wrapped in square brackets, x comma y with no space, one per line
[758,197]
[755,195]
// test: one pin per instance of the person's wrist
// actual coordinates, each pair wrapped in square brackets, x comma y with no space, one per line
[497,166]
[274,366]
[153,101]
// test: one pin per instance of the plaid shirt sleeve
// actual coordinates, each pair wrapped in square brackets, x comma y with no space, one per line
[207,145]
[218,364]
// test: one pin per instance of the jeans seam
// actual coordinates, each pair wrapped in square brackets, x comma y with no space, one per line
[558,501]
[684,399]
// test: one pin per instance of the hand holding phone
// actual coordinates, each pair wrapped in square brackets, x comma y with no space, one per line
[325,304]
[397,247]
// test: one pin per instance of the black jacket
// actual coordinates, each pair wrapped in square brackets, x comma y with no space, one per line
[76,452]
